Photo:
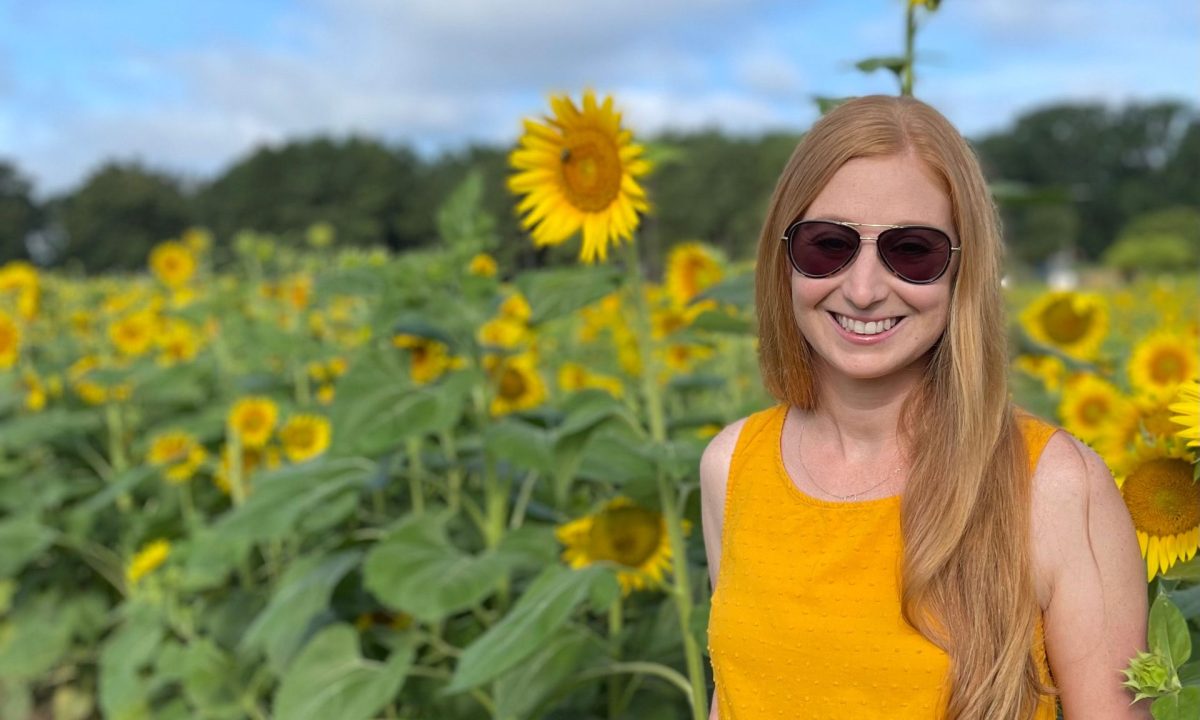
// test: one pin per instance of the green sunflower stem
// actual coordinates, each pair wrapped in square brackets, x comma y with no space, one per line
[614,639]
[416,474]
[118,460]
[237,483]
[652,395]
[910,34]
[303,390]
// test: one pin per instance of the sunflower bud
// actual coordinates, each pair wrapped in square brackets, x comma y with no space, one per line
[1151,675]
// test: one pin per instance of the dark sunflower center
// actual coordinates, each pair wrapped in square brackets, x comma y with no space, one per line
[591,169]
[1063,324]
[253,421]
[1162,498]
[1093,410]
[1167,367]
[512,384]
[627,535]
[302,436]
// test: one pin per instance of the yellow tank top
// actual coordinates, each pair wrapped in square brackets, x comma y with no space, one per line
[805,619]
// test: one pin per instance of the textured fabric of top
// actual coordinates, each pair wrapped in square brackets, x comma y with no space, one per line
[805,619]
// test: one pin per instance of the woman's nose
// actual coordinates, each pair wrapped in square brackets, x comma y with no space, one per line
[866,280]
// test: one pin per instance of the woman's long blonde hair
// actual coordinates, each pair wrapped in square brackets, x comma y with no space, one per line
[967,583]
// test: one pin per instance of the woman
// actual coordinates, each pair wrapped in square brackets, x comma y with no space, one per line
[895,539]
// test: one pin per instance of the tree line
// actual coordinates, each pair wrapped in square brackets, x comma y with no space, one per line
[1118,184]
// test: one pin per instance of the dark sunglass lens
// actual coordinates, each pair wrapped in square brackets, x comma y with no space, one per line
[821,248]
[916,254]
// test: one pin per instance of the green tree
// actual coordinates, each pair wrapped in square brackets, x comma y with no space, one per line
[19,214]
[1166,241]
[365,190]
[117,215]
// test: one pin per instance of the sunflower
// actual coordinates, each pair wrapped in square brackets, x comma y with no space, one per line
[252,459]
[146,560]
[691,269]
[1161,361]
[304,437]
[1187,412]
[10,340]
[1050,369]
[1164,502]
[579,170]
[134,334]
[1089,406]
[178,453]
[429,359]
[573,376]
[633,537]
[178,343]
[517,384]
[173,263]
[20,279]
[482,265]
[1073,323]
[253,419]
[198,240]
[35,391]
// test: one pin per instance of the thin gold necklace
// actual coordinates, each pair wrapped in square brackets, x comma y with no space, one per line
[851,496]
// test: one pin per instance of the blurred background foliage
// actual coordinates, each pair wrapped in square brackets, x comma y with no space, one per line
[1103,184]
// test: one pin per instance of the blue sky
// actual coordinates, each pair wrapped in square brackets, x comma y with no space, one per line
[188,87]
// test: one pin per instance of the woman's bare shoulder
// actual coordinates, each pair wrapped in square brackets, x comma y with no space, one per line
[715,461]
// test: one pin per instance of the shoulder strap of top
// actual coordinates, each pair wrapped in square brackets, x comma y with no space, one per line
[1036,433]
[750,439]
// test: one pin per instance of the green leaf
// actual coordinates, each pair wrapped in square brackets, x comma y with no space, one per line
[1183,706]
[522,444]
[521,689]
[24,431]
[21,540]
[825,104]
[280,501]
[330,679]
[1168,631]
[560,292]
[124,692]
[211,679]
[34,638]
[715,321]
[1187,600]
[1190,674]
[735,290]
[893,63]
[303,592]
[1189,570]
[537,616]
[613,457]
[416,570]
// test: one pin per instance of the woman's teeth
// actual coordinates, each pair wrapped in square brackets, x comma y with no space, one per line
[869,328]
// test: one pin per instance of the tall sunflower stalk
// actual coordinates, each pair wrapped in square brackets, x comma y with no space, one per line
[578,173]
[680,590]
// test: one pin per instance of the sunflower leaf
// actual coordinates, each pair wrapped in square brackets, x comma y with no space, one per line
[1184,705]
[522,689]
[560,292]
[537,617]
[1168,631]
[418,571]
[329,678]
[21,540]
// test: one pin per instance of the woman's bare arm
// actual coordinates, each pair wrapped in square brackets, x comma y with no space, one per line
[714,477]
[1096,617]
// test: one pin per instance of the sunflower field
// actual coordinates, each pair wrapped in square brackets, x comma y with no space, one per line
[323,483]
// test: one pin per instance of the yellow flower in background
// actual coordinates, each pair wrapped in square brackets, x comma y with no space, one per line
[632,537]
[304,437]
[1071,322]
[691,269]
[178,343]
[600,315]
[1186,409]
[503,332]
[148,559]
[20,280]
[1090,405]
[515,308]
[253,419]
[197,240]
[326,393]
[178,453]
[10,340]
[267,457]
[482,265]
[429,359]
[1164,502]
[516,384]
[577,171]
[320,235]
[1050,369]
[133,334]
[172,263]
[573,376]
[35,391]
[682,357]
[1161,362]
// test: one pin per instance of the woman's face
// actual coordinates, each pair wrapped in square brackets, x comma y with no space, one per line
[890,190]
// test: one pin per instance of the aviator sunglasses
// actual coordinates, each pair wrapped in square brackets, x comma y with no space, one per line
[913,253]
